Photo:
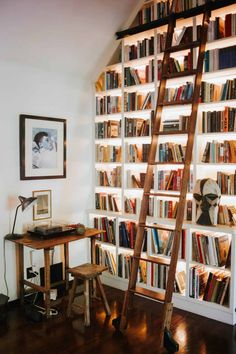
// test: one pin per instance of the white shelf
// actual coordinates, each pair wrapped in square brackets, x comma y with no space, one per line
[111,92]
[107,164]
[138,62]
[112,141]
[140,88]
[103,117]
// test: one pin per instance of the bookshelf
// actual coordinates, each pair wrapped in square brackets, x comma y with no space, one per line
[127,111]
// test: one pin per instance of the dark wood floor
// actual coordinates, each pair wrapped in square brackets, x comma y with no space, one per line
[195,334]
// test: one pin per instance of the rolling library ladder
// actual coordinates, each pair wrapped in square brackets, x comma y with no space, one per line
[120,323]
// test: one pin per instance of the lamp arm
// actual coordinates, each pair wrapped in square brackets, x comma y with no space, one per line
[13,227]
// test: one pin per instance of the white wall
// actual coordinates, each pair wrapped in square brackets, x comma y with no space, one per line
[38,40]
[29,90]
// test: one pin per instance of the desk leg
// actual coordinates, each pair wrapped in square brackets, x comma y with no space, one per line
[66,265]
[20,257]
[47,283]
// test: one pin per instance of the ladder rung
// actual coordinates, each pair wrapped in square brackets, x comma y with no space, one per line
[175,103]
[172,132]
[156,227]
[180,74]
[177,195]
[156,260]
[149,293]
[178,48]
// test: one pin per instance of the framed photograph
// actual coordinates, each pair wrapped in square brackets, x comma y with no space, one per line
[42,147]
[42,209]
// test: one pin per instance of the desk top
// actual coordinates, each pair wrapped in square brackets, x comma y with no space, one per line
[38,243]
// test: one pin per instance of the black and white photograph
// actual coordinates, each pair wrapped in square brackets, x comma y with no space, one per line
[42,147]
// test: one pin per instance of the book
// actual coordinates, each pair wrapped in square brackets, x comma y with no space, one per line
[180,278]
[222,247]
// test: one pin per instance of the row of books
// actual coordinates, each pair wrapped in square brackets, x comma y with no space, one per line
[170,180]
[113,79]
[143,48]
[105,201]
[134,101]
[209,286]
[219,59]
[127,235]
[168,209]
[153,11]
[108,129]
[226,182]
[136,180]
[109,178]
[162,241]
[109,229]
[171,152]
[179,124]
[137,127]
[132,205]
[222,27]
[108,153]
[185,5]
[137,153]
[211,249]
[213,92]
[159,277]
[161,9]
[124,268]
[216,59]
[138,76]
[219,121]
[108,105]
[176,65]
[105,257]
[220,152]
[181,93]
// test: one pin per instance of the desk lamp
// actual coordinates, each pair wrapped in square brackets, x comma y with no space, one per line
[24,203]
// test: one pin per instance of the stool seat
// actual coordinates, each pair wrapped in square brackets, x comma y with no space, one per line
[87,270]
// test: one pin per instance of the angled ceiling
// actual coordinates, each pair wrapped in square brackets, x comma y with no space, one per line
[68,36]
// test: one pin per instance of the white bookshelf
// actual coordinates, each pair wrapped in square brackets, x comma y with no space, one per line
[212,310]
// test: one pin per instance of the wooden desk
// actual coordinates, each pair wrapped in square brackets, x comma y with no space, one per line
[37,243]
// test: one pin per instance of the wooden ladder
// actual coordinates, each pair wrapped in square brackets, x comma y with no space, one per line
[121,322]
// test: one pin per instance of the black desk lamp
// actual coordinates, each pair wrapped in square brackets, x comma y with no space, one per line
[24,203]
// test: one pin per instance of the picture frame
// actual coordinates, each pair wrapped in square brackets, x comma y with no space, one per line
[42,209]
[42,147]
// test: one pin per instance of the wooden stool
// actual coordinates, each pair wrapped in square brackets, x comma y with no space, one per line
[87,272]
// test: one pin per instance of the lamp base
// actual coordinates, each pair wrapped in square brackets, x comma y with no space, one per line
[13,236]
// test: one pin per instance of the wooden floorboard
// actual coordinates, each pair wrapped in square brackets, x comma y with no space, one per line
[195,334]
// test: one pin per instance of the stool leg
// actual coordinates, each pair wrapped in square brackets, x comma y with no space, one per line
[71,297]
[86,303]
[104,298]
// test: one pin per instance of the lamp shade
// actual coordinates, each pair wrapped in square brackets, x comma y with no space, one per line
[25,202]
